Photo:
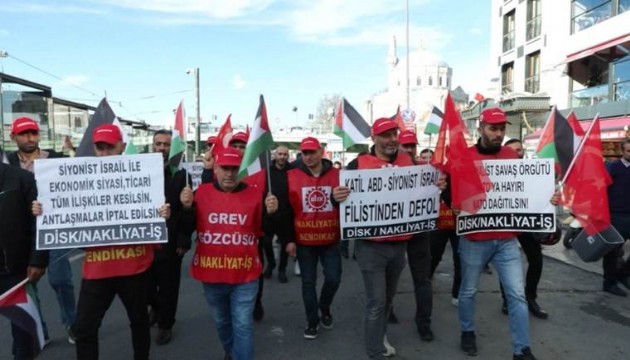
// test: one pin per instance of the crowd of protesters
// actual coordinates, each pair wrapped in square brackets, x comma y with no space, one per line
[273,207]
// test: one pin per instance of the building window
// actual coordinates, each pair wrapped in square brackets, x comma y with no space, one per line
[441,81]
[430,81]
[507,78]
[508,31]
[624,5]
[532,72]
[533,19]
[419,81]
[586,13]
[589,82]
[621,85]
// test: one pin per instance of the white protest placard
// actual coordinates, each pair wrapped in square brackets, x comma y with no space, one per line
[194,169]
[517,198]
[96,201]
[389,201]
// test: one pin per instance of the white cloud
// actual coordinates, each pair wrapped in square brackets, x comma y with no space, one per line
[72,80]
[238,82]
[330,22]
[48,8]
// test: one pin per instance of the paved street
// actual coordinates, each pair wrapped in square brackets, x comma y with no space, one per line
[585,323]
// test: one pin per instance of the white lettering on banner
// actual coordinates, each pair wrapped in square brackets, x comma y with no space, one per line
[316,198]
[96,201]
[210,238]
[389,201]
[228,219]
[517,198]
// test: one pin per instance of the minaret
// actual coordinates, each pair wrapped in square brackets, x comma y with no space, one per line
[392,62]
[392,59]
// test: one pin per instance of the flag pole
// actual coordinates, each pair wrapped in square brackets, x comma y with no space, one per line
[268,170]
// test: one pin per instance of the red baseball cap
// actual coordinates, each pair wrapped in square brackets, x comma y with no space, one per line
[211,140]
[228,157]
[239,136]
[494,116]
[23,124]
[382,125]
[310,143]
[107,133]
[407,137]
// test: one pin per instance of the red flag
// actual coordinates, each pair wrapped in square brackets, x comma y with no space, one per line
[575,125]
[224,136]
[585,185]
[467,174]
[399,119]
[479,97]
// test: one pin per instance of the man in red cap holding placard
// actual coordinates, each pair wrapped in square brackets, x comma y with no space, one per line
[104,277]
[498,247]
[381,260]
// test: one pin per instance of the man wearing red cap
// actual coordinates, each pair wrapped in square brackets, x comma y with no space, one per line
[230,220]
[499,248]
[103,280]
[381,260]
[408,143]
[310,189]
[25,133]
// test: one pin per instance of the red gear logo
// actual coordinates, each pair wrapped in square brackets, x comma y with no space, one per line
[316,199]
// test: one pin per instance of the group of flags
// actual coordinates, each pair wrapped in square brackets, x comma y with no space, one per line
[579,161]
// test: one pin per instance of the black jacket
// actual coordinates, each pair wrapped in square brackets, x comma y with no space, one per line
[14,160]
[181,223]
[280,188]
[17,223]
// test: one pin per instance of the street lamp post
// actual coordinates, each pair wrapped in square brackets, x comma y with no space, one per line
[195,72]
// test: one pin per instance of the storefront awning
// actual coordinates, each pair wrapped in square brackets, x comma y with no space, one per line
[611,128]
[605,49]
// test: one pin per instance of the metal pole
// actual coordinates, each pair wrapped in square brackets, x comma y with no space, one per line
[198,111]
[407,28]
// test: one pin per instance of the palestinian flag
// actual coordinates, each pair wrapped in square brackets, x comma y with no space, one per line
[257,154]
[178,141]
[434,122]
[349,125]
[558,141]
[130,148]
[18,304]
[102,115]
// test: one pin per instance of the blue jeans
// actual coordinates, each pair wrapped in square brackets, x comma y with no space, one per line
[505,256]
[60,280]
[233,307]
[308,257]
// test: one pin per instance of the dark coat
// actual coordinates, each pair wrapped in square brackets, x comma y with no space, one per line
[14,160]
[181,224]
[17,223]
